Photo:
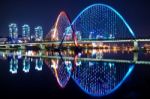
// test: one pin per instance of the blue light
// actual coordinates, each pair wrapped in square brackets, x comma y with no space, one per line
[26,65]
[123,80]
[109,8]
[13,66]
[83,87]
[39,64]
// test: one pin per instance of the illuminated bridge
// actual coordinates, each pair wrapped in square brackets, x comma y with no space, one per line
[43,44]
[98,23]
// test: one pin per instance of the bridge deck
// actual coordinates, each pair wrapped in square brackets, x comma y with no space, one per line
[83,41]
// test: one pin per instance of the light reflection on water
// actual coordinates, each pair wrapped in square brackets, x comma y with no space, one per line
[96,78]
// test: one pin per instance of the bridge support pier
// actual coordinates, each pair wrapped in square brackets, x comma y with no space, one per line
[135,57]
[22,47]
[7,46]
[42,46]
[136,47]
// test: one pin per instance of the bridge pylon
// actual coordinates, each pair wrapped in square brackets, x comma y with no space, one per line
[136,46]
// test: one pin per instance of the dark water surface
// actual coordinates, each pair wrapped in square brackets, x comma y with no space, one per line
[89,74]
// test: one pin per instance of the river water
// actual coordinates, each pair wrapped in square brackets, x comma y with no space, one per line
[91,73]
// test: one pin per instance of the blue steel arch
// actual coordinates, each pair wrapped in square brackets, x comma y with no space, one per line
[109,8]
[131,67]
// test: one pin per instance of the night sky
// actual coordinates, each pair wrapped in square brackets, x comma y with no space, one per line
[44,13]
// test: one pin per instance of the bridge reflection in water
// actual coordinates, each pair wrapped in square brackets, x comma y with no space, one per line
[94,71]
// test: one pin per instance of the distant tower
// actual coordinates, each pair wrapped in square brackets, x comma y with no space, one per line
[38,33]
[91,36]
[26,65]
[26,32]
[13,31]
[68,33]
[78,34]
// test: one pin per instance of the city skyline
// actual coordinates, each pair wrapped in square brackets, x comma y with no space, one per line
[25,35]
[136,13]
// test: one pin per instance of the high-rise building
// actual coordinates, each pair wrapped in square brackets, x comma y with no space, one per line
[26,32]
[91,35]
[68,33]
[13,31]
[38,33]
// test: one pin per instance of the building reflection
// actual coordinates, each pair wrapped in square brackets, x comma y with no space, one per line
[13,65]
[26,64]
[39,64]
